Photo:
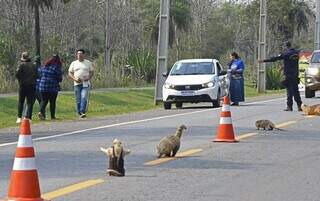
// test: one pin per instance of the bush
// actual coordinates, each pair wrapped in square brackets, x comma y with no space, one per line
[274,77]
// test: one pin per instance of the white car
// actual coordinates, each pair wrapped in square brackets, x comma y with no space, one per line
[194,81]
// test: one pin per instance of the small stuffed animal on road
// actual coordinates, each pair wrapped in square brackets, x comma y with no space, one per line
[116,155]
[266,125]
[170,145]
[311,110]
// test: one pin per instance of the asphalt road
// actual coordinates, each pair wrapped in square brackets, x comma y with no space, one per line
[263,166]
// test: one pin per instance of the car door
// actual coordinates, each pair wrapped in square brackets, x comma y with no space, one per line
[223,80]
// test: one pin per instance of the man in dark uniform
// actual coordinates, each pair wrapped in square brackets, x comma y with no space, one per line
[290,58]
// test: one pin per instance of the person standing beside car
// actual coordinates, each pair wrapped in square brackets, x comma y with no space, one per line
[50,75]
[236,69]
[26,75]
[81,71]
[290,57]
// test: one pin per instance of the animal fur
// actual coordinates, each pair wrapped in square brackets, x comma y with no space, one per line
[118,150]
[170,145]
[311,110]
[266,125]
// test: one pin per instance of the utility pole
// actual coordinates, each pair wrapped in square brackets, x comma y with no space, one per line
[317,27]
[262,47]
[162,52]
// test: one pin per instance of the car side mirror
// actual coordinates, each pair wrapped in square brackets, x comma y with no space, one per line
[165,74]
[223,72]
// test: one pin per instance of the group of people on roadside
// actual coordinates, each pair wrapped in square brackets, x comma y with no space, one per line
[42,82]
[290,57]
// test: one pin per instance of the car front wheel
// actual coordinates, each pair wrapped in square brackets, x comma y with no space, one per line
[167,105]
[309,93]
[216,103]
[179,105]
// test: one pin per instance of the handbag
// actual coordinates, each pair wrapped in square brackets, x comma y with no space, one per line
[236,76]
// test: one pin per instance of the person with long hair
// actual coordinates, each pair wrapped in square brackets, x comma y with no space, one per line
[50,76]
[236,69]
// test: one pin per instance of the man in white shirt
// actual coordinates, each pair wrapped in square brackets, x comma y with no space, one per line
[81,71]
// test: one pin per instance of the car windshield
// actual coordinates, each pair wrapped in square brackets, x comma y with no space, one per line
[315,57]
[196,68]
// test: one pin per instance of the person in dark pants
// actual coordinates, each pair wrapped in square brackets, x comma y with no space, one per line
[50,76]
[290,58]
[37,62]
[26,75]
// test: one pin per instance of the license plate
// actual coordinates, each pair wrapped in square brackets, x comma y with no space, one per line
[187,93]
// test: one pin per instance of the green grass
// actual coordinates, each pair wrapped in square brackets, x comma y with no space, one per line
[252,92]
[101,104]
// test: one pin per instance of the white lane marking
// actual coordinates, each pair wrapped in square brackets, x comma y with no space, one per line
[24,164]
[130,122]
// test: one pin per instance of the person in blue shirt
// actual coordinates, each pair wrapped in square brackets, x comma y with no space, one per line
[236,69]
[290,58]
[50,76]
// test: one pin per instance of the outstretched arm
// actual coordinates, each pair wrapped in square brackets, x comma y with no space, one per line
[107,151]
[272,59]
[126,152]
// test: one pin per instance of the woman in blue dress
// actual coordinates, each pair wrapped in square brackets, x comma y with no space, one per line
[236,69]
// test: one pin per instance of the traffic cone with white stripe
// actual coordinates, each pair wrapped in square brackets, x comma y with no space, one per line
[24,183]
[225,131]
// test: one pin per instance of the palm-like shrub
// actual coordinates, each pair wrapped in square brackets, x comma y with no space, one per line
[274,77]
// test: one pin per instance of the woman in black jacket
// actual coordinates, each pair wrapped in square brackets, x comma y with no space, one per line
[26,74]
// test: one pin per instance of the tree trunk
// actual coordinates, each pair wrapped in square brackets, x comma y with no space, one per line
[107,57]
[37,28]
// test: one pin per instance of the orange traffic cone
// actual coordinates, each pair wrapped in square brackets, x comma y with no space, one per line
[225,131]
[24,183]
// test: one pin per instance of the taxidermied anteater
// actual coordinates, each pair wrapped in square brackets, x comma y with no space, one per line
[116,154]
[311,110]
[266,125]
[170,145]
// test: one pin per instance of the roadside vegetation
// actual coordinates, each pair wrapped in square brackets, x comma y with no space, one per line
[121,36]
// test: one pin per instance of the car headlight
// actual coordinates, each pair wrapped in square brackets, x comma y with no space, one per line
[313,71]
[168,85]
[208,84]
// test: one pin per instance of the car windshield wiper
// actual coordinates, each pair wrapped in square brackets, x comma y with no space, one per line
[176,74]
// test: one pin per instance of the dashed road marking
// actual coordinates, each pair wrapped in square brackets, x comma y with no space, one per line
[246,135]
[309,116]
[179,155]
[71,189]
[285,124]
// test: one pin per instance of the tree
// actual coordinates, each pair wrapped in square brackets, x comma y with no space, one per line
[36,5]
[180,17]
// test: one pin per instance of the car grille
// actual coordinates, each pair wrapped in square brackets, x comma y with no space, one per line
[188,87]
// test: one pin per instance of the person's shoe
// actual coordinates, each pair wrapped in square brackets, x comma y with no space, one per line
[299,108]
[18,120]
[41,116]
[235,104]
[288,109]
[83,115]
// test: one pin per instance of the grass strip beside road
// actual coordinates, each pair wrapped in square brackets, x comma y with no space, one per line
[102,103]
